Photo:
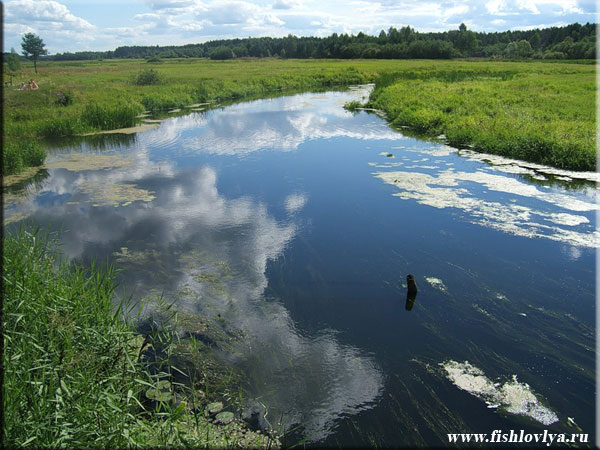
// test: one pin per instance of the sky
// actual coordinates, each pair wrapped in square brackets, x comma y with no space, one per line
[78,25]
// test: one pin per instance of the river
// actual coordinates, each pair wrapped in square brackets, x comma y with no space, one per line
[296,222]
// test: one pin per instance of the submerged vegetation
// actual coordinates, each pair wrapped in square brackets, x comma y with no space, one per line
[76,374]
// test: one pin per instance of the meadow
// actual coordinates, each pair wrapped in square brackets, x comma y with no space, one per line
[536,111]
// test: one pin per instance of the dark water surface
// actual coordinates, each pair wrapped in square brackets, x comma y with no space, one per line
[298,222]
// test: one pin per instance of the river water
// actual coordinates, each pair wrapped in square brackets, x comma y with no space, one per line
[296,223]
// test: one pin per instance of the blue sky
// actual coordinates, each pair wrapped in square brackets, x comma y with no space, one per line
[104,25]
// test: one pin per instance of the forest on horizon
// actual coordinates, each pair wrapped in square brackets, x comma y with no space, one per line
[574,41]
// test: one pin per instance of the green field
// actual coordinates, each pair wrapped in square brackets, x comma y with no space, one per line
[537,111]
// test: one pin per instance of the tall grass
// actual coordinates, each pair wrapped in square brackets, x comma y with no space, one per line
[107,117]
[72,373]
[18,155]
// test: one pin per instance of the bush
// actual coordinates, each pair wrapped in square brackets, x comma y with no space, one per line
[147,77]
[553,55]
[154,59]
[221,53]
[64,98]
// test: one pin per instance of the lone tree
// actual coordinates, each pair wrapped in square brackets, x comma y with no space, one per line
[33,47]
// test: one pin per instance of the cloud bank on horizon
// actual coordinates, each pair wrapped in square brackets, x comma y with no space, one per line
[79,25]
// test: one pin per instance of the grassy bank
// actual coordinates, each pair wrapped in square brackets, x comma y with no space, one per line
[75,373]
[535,111]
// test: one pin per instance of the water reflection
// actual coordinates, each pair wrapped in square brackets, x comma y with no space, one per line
[209,254]
[280,123]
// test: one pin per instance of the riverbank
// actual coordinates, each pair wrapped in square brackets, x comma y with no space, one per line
[533,112]
[77,374]
[536,111]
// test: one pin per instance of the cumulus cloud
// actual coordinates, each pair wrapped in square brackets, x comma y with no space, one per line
[287,4]
[42,12]
[181,22]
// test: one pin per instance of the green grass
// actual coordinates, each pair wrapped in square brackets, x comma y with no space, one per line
[72,373]
[531,110]
[534,112]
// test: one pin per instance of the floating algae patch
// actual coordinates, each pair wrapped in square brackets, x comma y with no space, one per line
[115,194]
[19,215]
[452,189]
[512,396]
[437,283]
[10,180]
[567,219]
[507,164]
[88,161]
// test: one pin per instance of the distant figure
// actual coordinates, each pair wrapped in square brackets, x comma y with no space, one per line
[411,293]
[32,85]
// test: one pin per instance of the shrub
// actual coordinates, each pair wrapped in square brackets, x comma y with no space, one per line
[154,59]
[222,52]
[147,77]
[553,55]
[64,98]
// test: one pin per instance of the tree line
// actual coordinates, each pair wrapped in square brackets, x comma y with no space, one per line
[573,41]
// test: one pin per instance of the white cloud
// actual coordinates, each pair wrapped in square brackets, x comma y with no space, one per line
[102,25]
[287,4]
[44,13]
[537,7]
[230,13]
[456,10]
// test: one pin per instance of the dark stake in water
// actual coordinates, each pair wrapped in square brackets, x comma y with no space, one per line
[297,223]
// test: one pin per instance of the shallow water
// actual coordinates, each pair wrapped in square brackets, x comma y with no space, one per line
[297,222]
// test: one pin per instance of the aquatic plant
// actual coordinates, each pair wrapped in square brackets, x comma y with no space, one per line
[353,105]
